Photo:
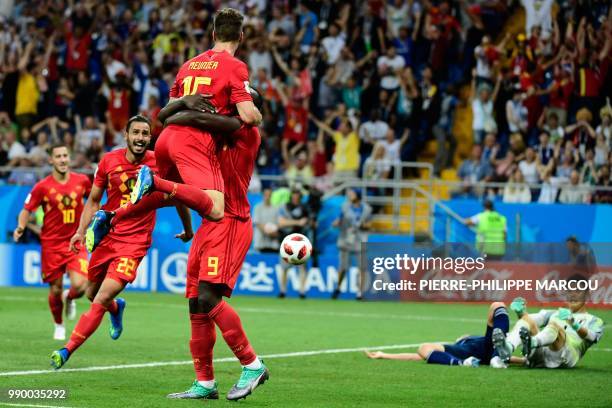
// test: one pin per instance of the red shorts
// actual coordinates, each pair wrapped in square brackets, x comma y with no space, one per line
[217,253]
[188,155]
[115,260]
[55,260]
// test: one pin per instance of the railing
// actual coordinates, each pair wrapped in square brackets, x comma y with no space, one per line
[397,192]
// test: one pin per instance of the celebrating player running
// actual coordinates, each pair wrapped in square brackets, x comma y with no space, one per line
[61,196]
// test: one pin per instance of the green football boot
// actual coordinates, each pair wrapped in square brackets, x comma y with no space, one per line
[197,391]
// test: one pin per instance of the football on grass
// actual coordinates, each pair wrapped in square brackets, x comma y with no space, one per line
[295,249]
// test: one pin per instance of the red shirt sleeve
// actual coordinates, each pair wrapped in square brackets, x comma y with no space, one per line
[33,200]
[239,84]
[174,91]
[100,175]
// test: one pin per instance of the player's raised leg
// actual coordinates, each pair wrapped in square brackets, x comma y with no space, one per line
[208,203]
[90,321]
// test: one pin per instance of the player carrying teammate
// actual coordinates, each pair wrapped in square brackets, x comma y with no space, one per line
[216,258]
[551,339]
[468,351]
[114,259]
[61,195]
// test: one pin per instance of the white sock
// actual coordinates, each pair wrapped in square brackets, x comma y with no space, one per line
[547,336]
[58,326]
[255,365]
[207,384]
[513,337]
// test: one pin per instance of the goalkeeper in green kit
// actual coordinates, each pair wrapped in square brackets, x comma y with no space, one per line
[550,338]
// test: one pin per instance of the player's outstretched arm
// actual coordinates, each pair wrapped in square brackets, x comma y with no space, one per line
[196,102]
[206,121]
[399,356]
[91,206]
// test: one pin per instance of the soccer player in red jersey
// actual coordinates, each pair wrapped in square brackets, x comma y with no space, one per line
[61,196]
[186,154]
[115,258]
[216,257]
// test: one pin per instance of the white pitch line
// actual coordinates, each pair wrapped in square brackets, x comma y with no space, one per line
[12,404]
[218,360]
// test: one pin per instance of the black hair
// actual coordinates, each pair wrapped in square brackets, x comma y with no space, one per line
[56,145]
[488,204]
[257,98]
[137,118]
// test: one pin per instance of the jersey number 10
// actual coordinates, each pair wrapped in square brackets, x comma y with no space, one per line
[191,84]
[68,216]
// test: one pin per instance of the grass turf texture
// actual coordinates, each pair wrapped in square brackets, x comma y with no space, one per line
[157,330]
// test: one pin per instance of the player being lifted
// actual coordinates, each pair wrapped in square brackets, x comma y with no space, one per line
[115,259]
[468,351]
[61,196]
[186,154]
[216,257]
[551,339]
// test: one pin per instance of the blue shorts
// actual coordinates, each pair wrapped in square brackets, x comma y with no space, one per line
[480,347]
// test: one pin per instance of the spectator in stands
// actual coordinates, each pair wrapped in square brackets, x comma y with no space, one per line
[299,171]
[516,113]
[588,173]
[389,65]
[603,180]
[550,188]
[293,218]
[552,126]
[296,122]
[38,154]
[353,223]
[346,157]
[574,192]
[393,146]
[473,170]
[483,99]
[516,191]
[602,150]
[372,131]
[529,167]
[538,13]
[377,166]
[87,133]
[265,218]
[15,150]
[605,128]
[443,131]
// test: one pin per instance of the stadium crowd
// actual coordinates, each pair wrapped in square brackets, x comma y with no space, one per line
[351,87]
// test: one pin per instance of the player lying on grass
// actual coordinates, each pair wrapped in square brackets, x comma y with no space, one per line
[61,196]
[549,338]
[115,259]
[217,254]
[470,351]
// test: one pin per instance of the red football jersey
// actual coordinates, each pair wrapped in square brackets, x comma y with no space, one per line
[237,158]
[62,204]
[216,73]
[118,176]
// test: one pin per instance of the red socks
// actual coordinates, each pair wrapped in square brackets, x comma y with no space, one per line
[203,336]
[150,202]
[229,323]
[56,306]
[191,196]
[73,294]
[88,323]
[113,308]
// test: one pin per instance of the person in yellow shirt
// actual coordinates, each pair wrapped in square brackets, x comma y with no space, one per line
[346,157]
[27,95]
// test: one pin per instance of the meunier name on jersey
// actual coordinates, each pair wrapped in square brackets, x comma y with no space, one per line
[197,65]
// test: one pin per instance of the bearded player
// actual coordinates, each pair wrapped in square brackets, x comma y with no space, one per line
[61,195]
[216,258]
[186,154]
[115,259]
[552,339]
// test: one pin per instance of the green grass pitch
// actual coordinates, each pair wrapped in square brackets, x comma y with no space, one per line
[157,330]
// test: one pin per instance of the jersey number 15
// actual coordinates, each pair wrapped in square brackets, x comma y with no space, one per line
[191,84]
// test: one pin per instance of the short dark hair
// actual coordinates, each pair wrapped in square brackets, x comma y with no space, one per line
[257,98]
[56,145]
[228,25]
[137,118]
[488,204]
